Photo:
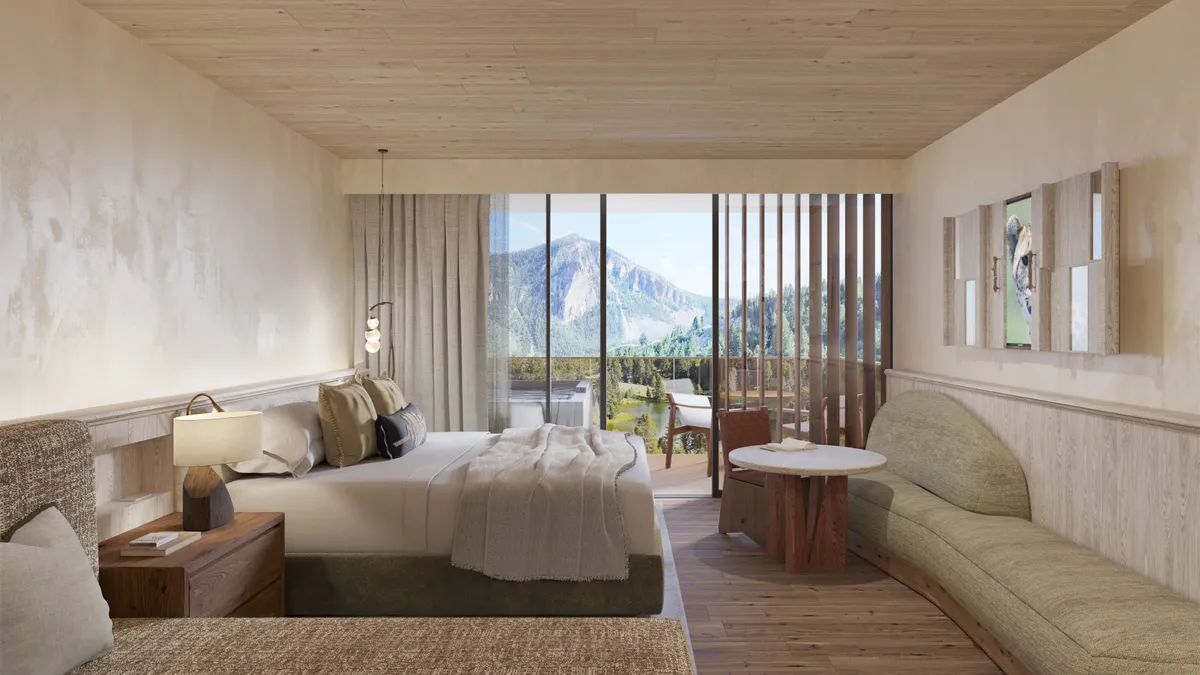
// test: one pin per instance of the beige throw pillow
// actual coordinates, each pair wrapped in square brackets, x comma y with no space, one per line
[53,616]
[347,422]
[385,395]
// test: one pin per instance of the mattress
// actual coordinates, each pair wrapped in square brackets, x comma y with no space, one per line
[408,505]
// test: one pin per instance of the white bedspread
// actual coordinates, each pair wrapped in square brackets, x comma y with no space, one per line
[408,505]
[543,504]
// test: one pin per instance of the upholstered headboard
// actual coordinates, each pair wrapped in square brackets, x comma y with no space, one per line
[49,462]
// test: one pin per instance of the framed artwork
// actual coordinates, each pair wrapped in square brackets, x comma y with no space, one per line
[1018,244]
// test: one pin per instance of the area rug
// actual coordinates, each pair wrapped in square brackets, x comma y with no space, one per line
[395,646]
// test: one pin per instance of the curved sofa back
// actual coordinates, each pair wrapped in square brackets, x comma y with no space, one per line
[934,442]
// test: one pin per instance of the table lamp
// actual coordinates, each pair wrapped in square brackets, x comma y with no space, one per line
[202,440]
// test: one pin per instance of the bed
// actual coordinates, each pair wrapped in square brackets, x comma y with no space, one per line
[374,539]
[51,462]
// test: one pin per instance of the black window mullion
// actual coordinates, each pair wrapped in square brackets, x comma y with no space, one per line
[714,456]
[603,311]
[547,315]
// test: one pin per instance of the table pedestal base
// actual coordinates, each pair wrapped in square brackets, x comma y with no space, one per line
[806,521]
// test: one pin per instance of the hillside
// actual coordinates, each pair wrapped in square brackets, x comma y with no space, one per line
[640,302]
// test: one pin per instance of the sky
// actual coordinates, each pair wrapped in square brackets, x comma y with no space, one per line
[672,234]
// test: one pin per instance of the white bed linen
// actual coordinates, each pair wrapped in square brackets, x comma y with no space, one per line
[407,505]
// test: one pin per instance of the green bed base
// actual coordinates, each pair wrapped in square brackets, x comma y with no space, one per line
[365,584]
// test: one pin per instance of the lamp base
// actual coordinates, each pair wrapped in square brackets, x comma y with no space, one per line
[206,502]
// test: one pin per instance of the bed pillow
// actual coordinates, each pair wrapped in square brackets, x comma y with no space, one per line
[385,395]
[347,423]
[292,441]
[53,616]
[398,434]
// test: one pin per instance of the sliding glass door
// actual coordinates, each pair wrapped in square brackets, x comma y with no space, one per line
[660,331]
[619,285]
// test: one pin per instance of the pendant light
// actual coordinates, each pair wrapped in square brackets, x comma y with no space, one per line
[373,336]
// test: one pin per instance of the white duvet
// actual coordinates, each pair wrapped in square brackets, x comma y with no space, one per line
[407,505]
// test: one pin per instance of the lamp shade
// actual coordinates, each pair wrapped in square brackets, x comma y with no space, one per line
[217,438]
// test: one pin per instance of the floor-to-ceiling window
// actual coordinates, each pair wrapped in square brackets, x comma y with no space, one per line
[575,310]
[794,305]
[517,317]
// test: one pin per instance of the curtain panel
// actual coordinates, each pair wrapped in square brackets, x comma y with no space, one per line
[428,255]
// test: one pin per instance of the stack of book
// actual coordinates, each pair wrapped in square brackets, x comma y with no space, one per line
[156,544]
[790,445]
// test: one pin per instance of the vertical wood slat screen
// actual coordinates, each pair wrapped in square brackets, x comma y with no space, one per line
[885,281]
[869,309]
[850,304]
[725,372]
[762,301]
[779,318]
[833,334]
[799,403]
[816,359]
[835,350]
[744,312]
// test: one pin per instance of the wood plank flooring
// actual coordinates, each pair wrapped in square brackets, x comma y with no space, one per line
[747,615]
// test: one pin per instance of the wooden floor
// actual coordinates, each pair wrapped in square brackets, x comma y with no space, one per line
[747,615]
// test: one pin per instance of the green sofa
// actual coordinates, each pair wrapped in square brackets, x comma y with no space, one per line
[951,513]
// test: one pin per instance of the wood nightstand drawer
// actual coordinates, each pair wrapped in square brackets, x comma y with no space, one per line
[233,570]
[268,602]
[229,582]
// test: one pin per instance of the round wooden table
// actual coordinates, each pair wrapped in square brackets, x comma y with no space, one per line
[806,501]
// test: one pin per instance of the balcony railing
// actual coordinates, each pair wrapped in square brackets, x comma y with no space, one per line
[640,405]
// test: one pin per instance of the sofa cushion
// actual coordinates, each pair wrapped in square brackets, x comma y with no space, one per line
[890,491]
[934,442]
[1057,606]
[1110,611]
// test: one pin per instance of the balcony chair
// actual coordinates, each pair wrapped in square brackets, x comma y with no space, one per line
[694,412]
[744,496]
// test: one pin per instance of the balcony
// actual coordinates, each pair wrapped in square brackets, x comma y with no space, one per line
[640,402]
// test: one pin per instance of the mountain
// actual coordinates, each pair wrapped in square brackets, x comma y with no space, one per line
[640,302]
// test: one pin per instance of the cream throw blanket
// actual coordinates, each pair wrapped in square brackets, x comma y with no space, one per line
[542,504]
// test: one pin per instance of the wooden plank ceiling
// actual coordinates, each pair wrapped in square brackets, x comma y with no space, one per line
[624,78]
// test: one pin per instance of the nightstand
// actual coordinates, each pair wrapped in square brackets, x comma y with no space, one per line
[233,570]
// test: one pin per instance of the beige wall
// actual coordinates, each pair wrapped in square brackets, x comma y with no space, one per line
[1134,99]
[157,235]
[634,176]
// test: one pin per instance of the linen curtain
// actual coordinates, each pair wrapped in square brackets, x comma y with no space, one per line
[427,254]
